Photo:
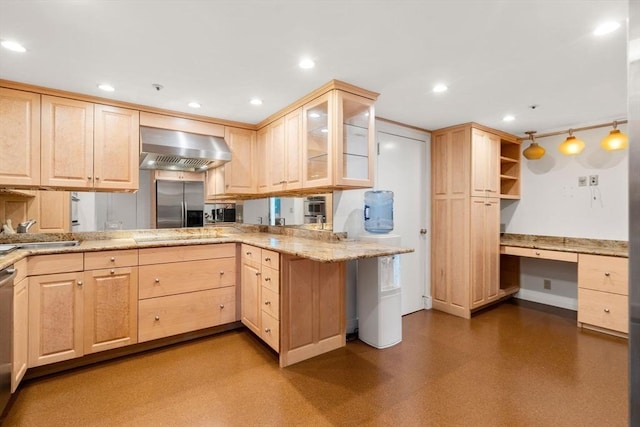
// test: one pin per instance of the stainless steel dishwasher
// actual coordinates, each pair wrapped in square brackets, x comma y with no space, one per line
[6,339]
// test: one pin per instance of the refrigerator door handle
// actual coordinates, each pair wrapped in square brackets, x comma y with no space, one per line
[183,213]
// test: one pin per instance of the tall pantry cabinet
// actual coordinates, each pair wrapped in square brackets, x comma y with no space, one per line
[467,184]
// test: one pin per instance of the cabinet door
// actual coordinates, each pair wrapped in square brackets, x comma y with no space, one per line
[20,332]
[293,149]
[19,138]
[485,164]
[263,159]
[450,162]
[55,318]
[116,148]
[110,308]
[179,175]
[250,296]
[53,212]
[355,139]
[317,142]
[485,251]
[239,172]
[214,183]
[277,173]
[67,143]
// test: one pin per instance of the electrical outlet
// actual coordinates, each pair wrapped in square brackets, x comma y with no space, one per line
[547,284]
[593,179]
[582,181]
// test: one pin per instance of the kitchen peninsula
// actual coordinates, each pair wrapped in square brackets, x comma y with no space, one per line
[116,290]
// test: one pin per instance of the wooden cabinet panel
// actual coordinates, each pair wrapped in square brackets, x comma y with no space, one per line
[214,183]
[110,308]
[270,331]
[179,175]
[20,332]
[178,123]
[55,263]
[110,259]
[270,302]
[603,310]
[176,314]
[263,160]
[277,151]
[185,253]
[239,172]
[19,138]
[270,279]
[67,143]
[604,273]
[55,318]
[167,279]
[250,295]
[293,149]
[484,245]
[540,253]
[270,259]
[116,148]
[251,253]
[485,164]
[53,215]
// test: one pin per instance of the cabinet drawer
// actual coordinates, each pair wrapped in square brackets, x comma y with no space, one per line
[110,259]
[271,259]
[180,277]
[270,302]
[271,279]
[55,263]
[603,309]
[177,314]
[539,253]
[270,331]
[604,273]
[186,253]
[251,253]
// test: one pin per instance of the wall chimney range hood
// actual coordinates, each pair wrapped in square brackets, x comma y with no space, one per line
[181,151]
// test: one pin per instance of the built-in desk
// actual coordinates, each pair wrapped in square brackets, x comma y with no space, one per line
[603,267]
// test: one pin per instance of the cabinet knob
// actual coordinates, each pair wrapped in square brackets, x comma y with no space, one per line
[157,280]
[97,178]
[221,272]
[80,283]
[89,178]
[267,279]
[607,274]
[113,259]
[112,271]
[606,310]
[221,306]
[267,303]
[267,259]
[249,253]
[537,253]
[157,318]
[283,182]
[267,330]
[258,273]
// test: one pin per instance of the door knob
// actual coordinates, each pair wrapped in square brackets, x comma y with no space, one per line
[423,231]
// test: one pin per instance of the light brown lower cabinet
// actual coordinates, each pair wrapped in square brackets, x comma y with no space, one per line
[20,325]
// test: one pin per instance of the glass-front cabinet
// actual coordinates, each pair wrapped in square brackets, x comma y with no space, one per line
[338,141]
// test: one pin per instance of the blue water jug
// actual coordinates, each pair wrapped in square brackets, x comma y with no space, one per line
[378,211]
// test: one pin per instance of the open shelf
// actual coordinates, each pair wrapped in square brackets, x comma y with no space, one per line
[509,169]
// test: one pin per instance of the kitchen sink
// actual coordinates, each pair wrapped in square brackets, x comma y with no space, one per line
[47,245]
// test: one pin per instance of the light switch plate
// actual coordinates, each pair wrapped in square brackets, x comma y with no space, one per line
[582,181]
[593,179]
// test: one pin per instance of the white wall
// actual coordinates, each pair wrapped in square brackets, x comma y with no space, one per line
[553,204]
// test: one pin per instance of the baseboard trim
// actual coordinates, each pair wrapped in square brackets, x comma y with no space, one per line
[543,298]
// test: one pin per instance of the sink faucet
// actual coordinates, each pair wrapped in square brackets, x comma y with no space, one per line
[24,227]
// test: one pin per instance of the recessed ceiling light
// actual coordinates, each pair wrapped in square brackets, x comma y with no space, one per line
[508,118]
[106,87]
[14,46]
[440,88]
[256,101]
[306,63]
[194,104]
[606,28]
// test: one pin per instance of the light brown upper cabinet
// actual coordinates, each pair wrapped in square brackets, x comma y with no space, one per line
[239,174]
[485,157]
[279,146]
[19,138]
[89,146]
[179,175]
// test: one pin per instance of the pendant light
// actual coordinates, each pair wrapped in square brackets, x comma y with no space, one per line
[533,151]
[571,145]
[616,140]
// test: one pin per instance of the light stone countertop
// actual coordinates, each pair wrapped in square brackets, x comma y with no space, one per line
[321,250]
[617,248]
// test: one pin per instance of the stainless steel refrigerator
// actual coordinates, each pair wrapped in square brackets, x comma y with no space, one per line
[179,204]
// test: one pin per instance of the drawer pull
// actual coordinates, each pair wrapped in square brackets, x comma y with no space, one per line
[267,259]
[607,274]
[267,330]
[112,271]
[221,272]
[80,283]
[113,259]
[221,306]
[537,253]
[267,303]
[258,273]
[267,279]
[248,253]
[157,318]
[606,310]
[157,280]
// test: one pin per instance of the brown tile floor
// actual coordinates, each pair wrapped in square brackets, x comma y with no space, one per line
[513,365]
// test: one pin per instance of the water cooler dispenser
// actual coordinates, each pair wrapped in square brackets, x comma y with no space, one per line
[379,302]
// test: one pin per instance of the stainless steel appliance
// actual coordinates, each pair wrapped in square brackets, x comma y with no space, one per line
[224,215]
[179,204]
[6,327]
[315,209]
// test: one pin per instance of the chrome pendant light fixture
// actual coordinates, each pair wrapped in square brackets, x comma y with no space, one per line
[533,151]
[571,145]
[616,140]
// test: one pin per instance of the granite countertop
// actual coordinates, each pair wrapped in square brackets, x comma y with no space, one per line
[322,248]
[618,248]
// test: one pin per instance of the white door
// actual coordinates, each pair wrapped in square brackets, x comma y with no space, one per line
[403,168]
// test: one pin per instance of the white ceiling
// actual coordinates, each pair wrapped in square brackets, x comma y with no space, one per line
[498,57]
